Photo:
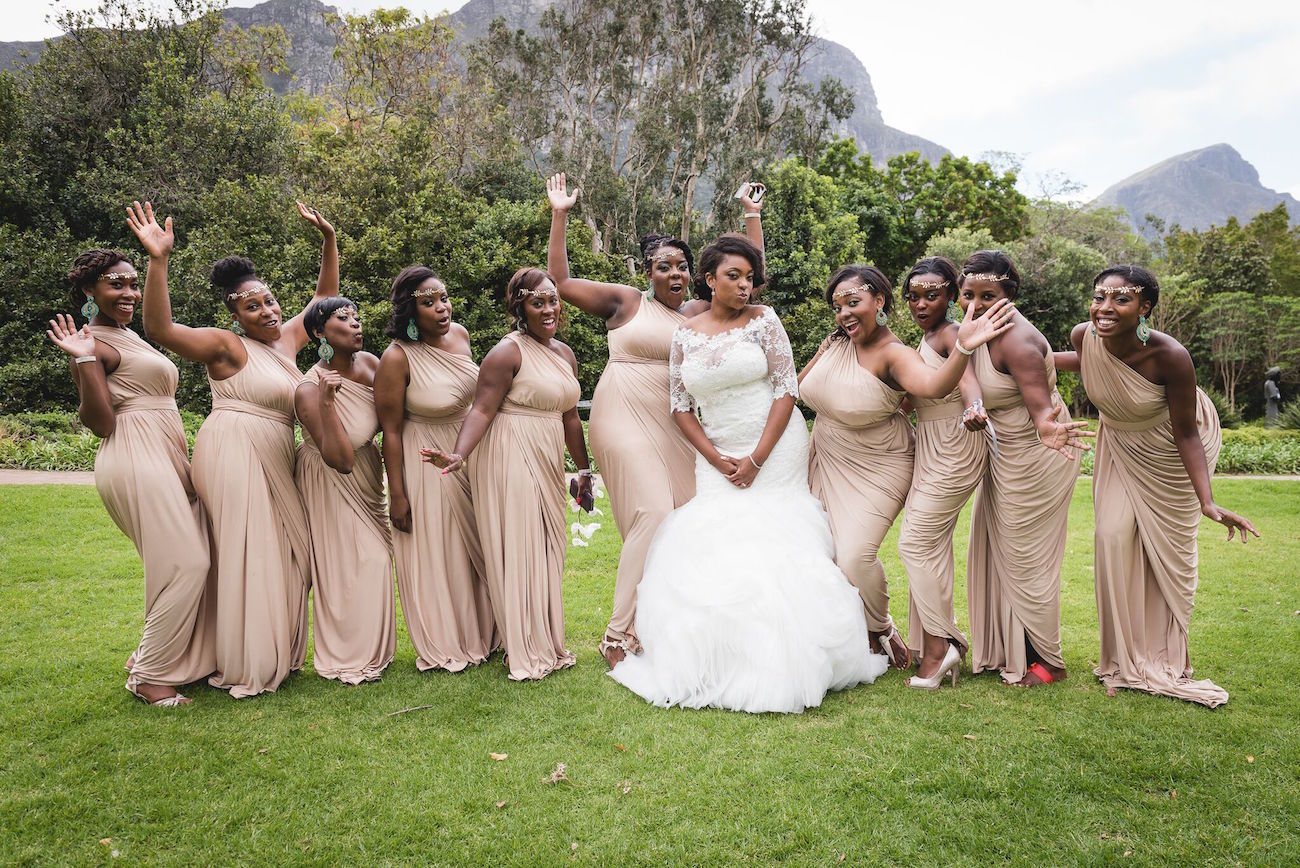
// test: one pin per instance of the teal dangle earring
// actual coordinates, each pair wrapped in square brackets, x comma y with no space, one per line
[325,352]
[881,317]
[954,312]
[412,330]
[237,328]
[1143,330]
[90,310]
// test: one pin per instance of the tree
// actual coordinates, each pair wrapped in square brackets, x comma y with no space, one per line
[1233,322]
[643,103]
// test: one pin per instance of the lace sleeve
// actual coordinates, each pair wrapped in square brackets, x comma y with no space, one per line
[679,400]
[781,371]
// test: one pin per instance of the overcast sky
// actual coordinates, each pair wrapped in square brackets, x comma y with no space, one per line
[1092,90]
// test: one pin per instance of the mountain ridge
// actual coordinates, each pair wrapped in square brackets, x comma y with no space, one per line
[1196,189]
[310,61]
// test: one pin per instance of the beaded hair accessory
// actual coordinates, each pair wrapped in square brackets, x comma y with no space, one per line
[927,284]
[538,291]
[1129,288]
[987,276]
[236,296]
[665,251]
[851,290]
[426,293]
[116,275]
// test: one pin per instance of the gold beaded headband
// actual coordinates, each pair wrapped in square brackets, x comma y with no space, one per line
[840,293]
[927,284]
[236,296]
[665,251]
[1111,290]
[117,275]
[426,293]
[537,292]
[988,276]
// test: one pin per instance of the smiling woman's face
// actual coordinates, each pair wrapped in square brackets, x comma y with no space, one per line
[257,311]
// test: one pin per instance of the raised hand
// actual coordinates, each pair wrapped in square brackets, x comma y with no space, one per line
[1231,521]
[558,195]
[996,320]
[65,335]
[330,383]
[312,216]
[1064,436]
[157,240]
[450,462]
[751,197]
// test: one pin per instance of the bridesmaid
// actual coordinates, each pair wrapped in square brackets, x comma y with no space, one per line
[524,414]
[341,479]
[1019,524]
[951,457]
[646,463]
[244,459]
[1156,449]
[423,390]
[142,472]
[860,466]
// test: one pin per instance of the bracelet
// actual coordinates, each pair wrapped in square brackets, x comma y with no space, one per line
[750,456]
[585,473]
[975,406]
[963,350]
[81,360]
[754,214]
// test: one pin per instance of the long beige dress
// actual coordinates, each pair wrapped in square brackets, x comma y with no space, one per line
[517,477]
[142,473]
[1147,518]
[243,470]
[860,467]
[440,563]
[950,462]
[354,617]
[1017,535]
[644,459]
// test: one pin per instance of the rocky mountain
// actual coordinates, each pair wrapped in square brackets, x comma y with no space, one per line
[311,61]
[1196,190]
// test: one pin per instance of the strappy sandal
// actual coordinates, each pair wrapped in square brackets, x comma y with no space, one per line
[608,645]
[887,646]
[174,701]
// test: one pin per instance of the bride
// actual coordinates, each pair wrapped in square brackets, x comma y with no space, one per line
[741,606]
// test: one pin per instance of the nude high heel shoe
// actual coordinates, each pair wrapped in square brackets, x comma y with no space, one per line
[951,665]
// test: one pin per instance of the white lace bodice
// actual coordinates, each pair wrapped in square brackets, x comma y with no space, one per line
[733,378]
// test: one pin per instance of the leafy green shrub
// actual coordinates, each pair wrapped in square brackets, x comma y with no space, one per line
[58,441]
[1289,417]
[1260,451]
[46,441]
[1228,418]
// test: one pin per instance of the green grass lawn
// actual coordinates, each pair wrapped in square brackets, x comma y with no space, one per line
[323,773]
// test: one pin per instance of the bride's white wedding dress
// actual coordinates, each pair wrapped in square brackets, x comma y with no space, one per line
[741,605]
